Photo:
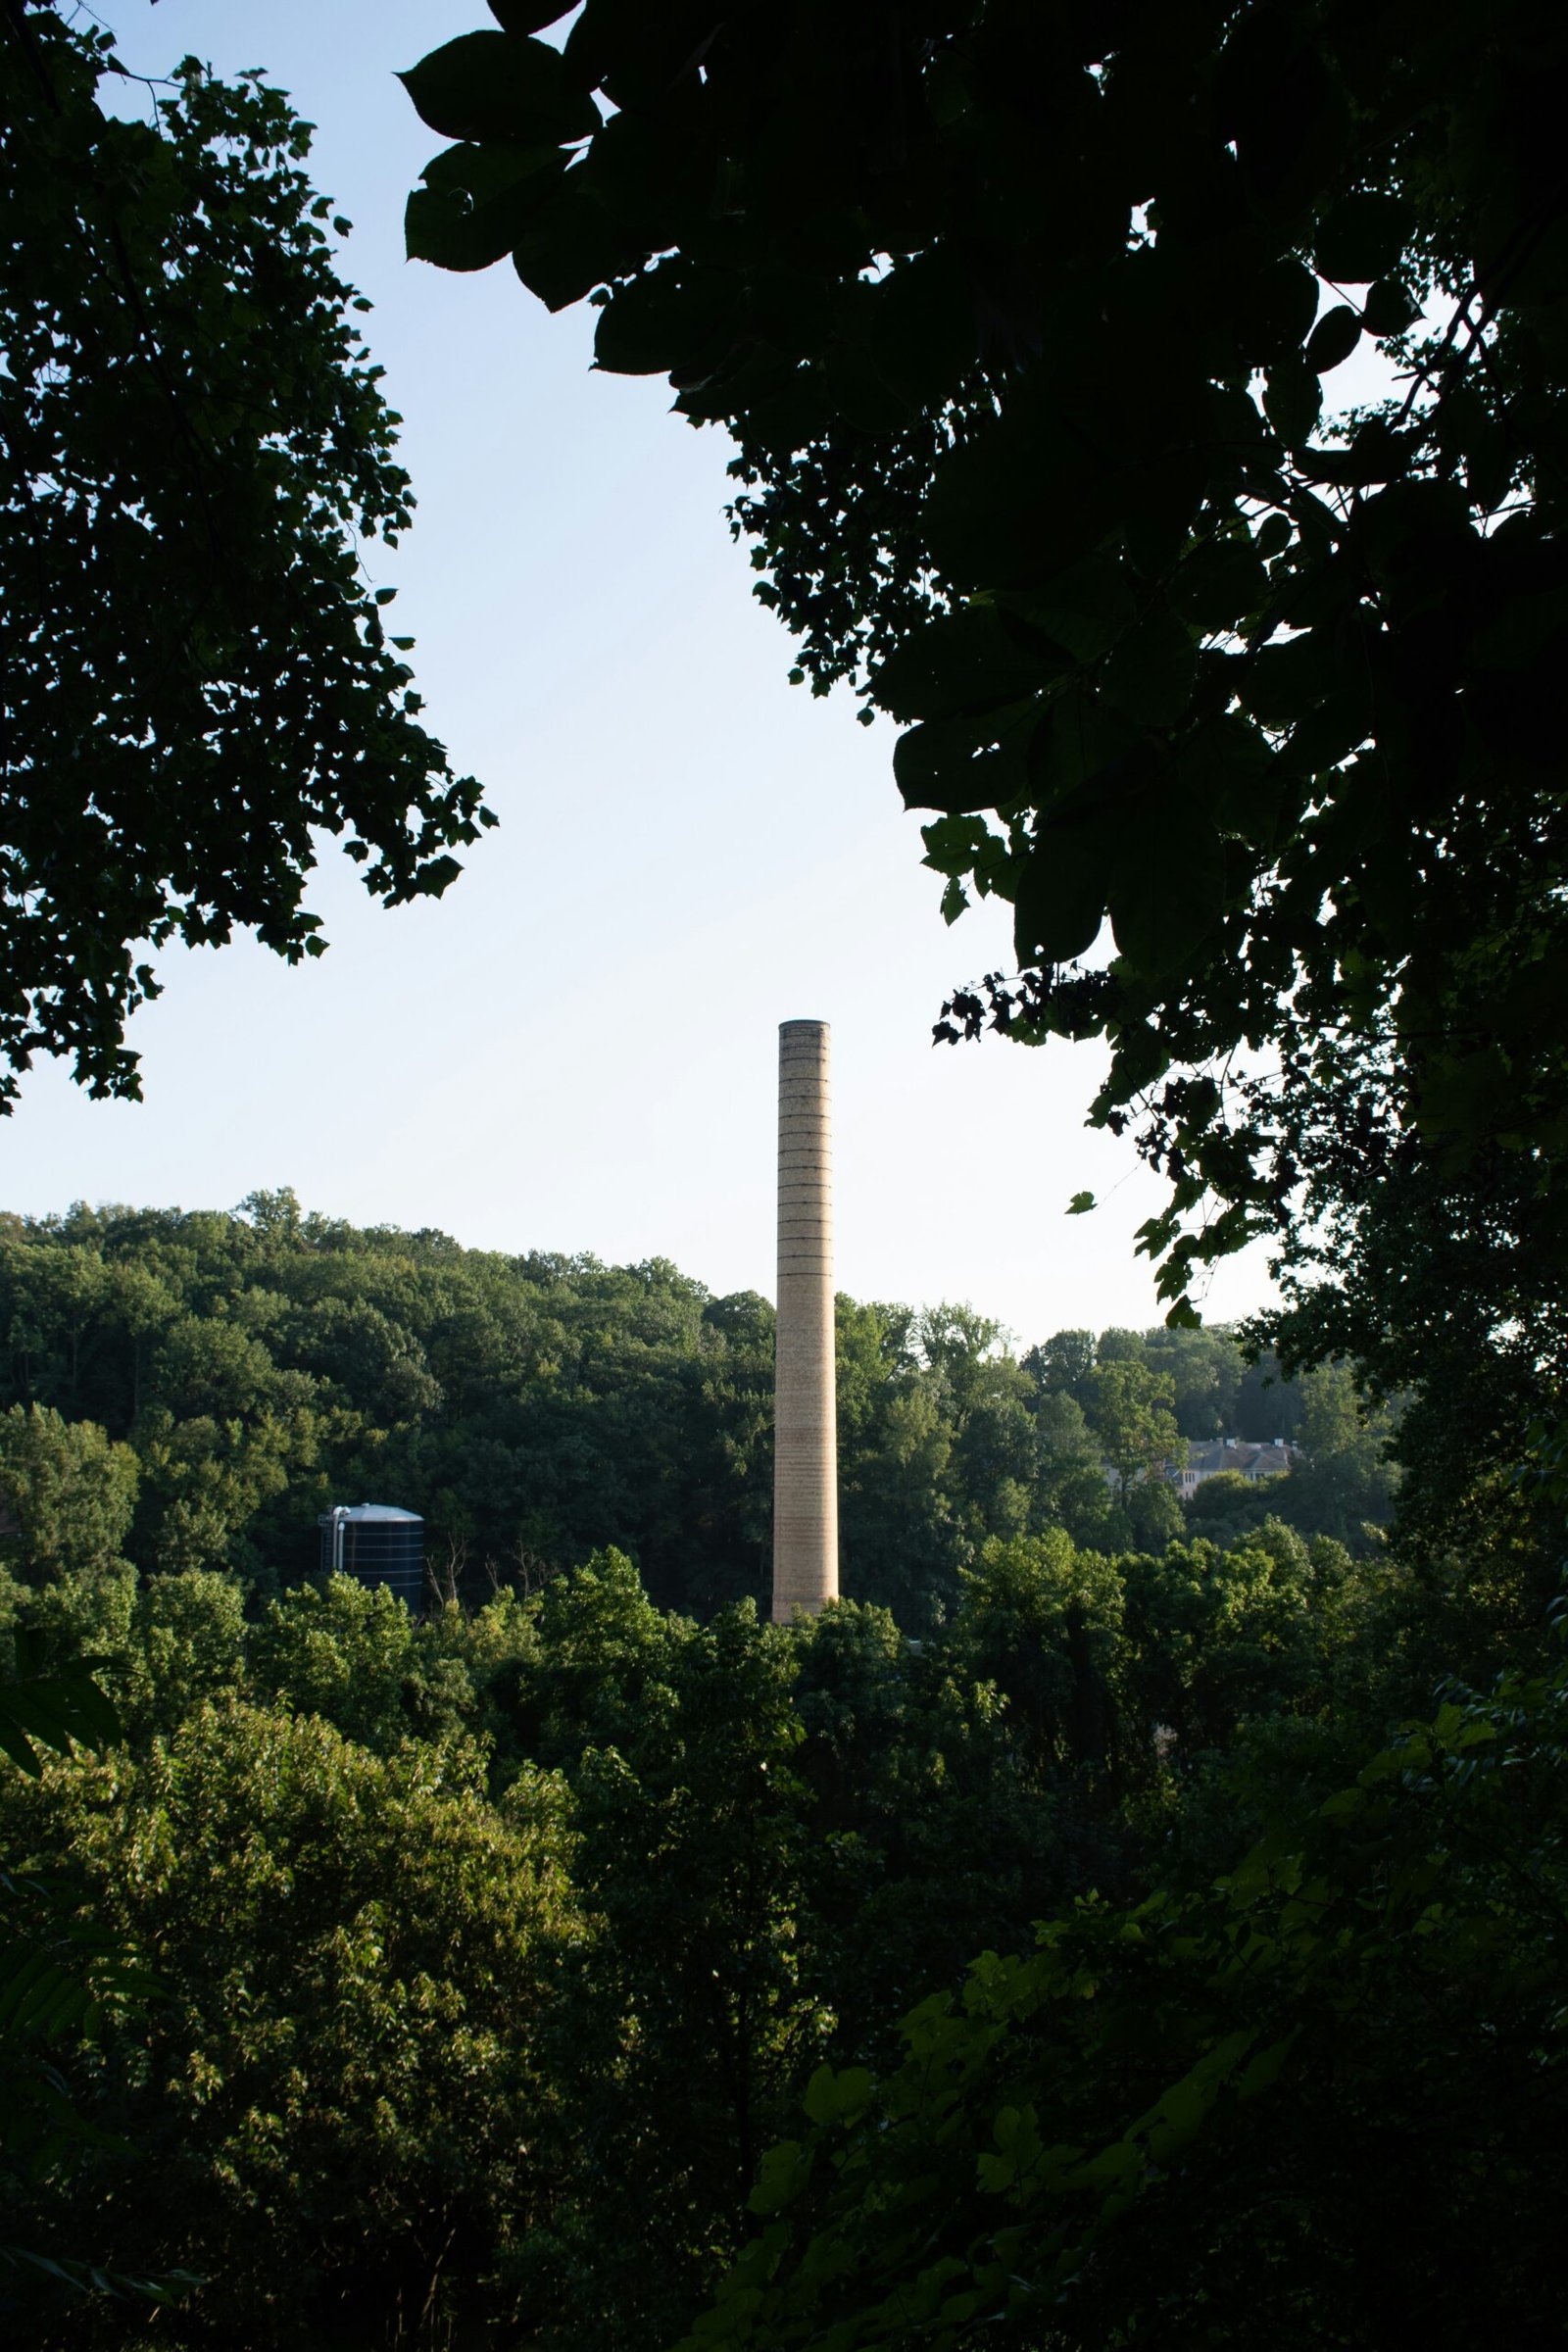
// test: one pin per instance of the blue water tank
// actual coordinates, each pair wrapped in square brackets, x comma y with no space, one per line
[376,1544]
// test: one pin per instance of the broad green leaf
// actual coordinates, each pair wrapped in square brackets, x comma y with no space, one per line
[955,845]
[859,393]
[570,245]
[961,764]
[1221,583]
[1166,890]
[1280,682]
[1058,890]
[56,1711]
[1230,770]
[490,85]
[528,15]
[1333,339]
[963,661]
[1469,1097]
[1292,398]
[666,320]
[1275,307]
[474,203]
[923,338]
[1085,608]
[1148,677]
[781,2175]
[1023,498]
[1389,308]
[833,2098]
[1376,453]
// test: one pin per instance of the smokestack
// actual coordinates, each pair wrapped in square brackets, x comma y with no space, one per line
[805,1447]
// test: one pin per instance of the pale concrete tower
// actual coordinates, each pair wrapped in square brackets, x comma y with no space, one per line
[805,1456]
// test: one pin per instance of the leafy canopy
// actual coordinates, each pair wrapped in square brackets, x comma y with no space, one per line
[196,679]
[1027,322]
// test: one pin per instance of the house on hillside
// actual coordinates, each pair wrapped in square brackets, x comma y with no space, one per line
[1248,1460]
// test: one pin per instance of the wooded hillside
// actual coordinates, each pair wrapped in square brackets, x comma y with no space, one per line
[207,1384]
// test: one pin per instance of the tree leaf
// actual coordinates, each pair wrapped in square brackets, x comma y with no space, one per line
[1058,890]
[1292,398]
[1083,739]
[571,244]
[670,319]
[490,85]
[1084,609]
[1333,339]
[474,202]
[1020,499]
[1168,885]
[832,2098]
[963,661]
[965,763]
[924,338]
[1150,676]
[528,15]
[1389,308]
[1274,307]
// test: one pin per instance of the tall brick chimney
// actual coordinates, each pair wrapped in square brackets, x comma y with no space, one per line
[806,1451]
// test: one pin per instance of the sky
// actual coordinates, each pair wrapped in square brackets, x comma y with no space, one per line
[575,1048]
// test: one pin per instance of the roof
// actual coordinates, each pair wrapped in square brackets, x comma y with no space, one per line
[360,1511]
[1240,1453]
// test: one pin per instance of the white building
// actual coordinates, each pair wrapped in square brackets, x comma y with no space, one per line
[1248,1460]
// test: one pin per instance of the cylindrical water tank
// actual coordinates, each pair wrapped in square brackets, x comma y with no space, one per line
[376,1543]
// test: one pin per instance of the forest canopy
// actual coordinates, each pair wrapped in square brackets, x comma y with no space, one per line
[590,1950]
[484,1965]
[190,1389]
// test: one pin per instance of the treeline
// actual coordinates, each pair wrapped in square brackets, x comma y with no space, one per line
[494,1954]
[206,1385]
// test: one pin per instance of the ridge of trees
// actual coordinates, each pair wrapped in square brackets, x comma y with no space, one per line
[191,1390]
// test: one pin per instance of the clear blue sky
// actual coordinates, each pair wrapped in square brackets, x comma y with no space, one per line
[575,1048]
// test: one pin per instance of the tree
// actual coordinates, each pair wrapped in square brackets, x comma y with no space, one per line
[1025,320]
[1131,1417]
[340,2099]
[196,673]
[343,1653]
[69,1493]
[1042,1622]
[1070,1483]
[1208,1369]
[1063,1365]
[685,2028]
[63,1977]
